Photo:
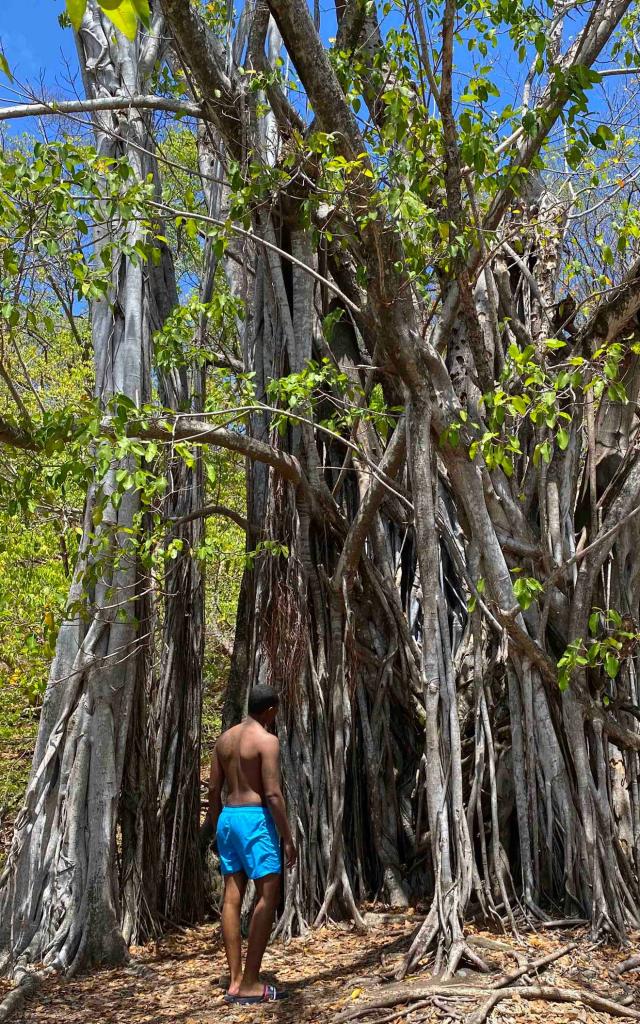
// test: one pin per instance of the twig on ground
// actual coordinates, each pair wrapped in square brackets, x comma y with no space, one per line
[400,1013]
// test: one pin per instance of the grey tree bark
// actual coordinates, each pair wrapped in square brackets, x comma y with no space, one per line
[63,893]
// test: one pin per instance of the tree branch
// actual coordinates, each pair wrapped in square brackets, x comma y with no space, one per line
[615,312]
[584,52]
[229,226]
[205,56]
[316,74]
[182,429]
[213,510]
[53,107]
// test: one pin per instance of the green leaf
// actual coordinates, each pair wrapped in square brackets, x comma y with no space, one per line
[611,665]
[123,15]
[143,11]
[4,66]
[594,619]
[519,403]
[526,590]
[75,10]
[563,439]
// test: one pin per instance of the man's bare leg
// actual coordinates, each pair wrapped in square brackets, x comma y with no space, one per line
[234,887]
[268,891]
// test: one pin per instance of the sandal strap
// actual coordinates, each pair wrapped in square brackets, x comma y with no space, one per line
[270,994]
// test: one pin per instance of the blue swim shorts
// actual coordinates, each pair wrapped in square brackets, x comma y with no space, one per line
[248,841]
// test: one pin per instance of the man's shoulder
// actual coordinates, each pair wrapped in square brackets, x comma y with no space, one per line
[268,741]
[226,737]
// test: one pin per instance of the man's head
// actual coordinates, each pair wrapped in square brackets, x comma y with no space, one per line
[263,704]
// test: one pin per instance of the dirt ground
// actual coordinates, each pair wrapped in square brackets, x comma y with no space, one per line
[330,973]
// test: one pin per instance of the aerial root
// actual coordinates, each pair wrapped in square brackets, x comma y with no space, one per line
[459,949]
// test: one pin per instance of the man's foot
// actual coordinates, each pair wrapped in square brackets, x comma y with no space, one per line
[256,994]
[234,988]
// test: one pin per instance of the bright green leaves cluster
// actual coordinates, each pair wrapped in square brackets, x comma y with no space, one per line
[615,639]
[33,588]
[526,590]
[125,14]
[49,202]
[179,343]
[582,138]
[534,391]
[269,548]
[335,399]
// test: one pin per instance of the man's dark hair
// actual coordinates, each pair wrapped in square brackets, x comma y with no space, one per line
[261,698]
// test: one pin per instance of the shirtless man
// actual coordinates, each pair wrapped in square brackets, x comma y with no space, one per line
[247,758]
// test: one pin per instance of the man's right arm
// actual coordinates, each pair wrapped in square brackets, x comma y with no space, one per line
[270,767]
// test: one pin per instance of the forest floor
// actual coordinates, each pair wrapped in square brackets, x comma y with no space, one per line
[335,974]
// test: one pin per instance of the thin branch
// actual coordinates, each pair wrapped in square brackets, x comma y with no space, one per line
[189,215]
[53,107]
[213,510]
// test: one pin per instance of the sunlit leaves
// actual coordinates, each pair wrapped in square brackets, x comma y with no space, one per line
[124,14]
[614,640]
[75,10]
[4,66]
[526,590]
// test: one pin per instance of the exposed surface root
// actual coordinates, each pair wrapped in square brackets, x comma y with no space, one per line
[441,991]
[26,986]
[628,965]
[554,994]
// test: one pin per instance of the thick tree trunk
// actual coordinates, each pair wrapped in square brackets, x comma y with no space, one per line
[60,895]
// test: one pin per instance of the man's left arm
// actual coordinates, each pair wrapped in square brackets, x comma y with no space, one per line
[216,781]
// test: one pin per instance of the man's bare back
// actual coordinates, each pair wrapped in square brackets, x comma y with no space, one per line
[240,752]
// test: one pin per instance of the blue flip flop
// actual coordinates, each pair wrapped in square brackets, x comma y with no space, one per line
[270,994]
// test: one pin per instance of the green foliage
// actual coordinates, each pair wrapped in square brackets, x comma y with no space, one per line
[124,14]
[615,639]
[334,398]
[48,200]
[33,590]
[527,590]
[177,343]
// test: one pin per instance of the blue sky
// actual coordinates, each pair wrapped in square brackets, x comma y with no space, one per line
[34,43]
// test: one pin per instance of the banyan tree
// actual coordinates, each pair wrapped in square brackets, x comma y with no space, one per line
[432,370]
